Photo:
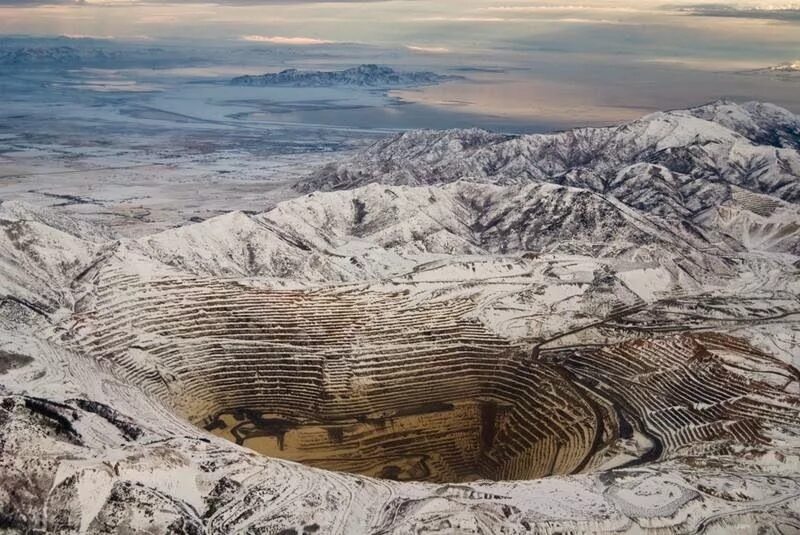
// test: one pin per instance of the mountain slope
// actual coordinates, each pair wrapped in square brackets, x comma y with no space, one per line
[468,218]
[706,151]
[377,231]
[41,253]
[759,222]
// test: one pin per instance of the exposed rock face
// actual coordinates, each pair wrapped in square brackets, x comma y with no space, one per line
[368,75]
[430,353]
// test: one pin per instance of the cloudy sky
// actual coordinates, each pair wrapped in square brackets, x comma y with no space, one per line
[663,30]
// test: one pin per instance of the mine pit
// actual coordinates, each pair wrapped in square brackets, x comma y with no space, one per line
[381,384]
[462,420]
[360,382]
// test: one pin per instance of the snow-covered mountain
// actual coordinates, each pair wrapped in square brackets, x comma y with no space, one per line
[465,218]
[53,55]
[367,75]
[789,66]
[688,159]
[700,171]
[80,56]
[788,71]
[41,252]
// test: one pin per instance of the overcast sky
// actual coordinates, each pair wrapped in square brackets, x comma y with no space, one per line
[731,33]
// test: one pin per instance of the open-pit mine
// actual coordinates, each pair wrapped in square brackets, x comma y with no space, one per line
[594,331]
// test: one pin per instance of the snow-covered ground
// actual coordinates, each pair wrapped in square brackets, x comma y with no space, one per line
[140,185]
[142,162]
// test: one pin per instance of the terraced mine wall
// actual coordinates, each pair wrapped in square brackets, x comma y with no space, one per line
[457,419]
[381,384]
[361,382]
[688,392]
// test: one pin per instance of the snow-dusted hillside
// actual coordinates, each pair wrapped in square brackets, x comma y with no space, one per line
[42,252]
[595,331]
[698,154]
[368,75]
[484,219]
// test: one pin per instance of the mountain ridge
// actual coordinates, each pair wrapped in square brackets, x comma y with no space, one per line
[365,75]
[707,149]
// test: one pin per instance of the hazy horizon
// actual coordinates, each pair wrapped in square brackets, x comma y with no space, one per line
[734,34]
[533,65]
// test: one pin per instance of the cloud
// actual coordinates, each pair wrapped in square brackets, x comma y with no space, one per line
[87,36]
[440,18]
[32,3]
[278,40]
[787,13]
[559,7]
[428,49]
[123,3]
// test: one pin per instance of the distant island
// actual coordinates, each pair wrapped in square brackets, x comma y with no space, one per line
[368,75]
[790,68]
